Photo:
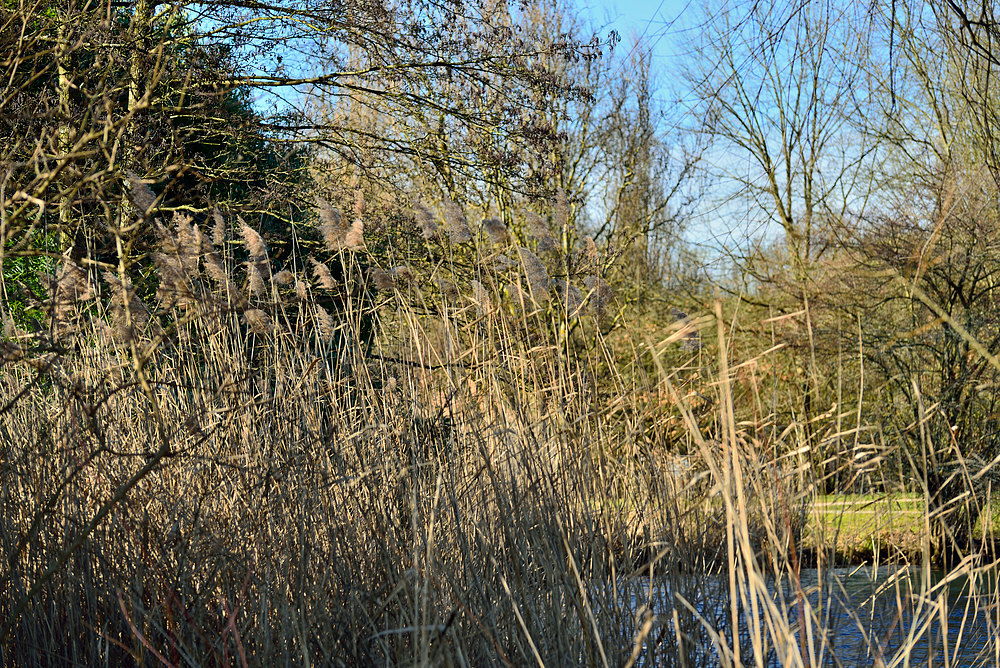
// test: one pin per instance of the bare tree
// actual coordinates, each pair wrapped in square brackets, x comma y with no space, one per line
[778,88]
[923,270]
[775,89]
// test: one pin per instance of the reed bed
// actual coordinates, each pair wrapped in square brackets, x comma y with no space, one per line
[335,462]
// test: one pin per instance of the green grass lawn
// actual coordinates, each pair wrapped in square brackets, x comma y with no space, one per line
[862,524]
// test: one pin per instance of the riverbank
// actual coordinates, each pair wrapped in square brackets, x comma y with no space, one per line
[858,529]
[835,530]
[864,529]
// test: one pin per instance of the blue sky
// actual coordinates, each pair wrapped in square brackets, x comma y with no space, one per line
[651,18]
[660,23]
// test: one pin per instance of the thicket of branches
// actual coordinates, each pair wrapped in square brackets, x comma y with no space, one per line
[866,138]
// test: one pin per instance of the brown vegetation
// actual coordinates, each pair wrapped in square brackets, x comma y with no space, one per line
[417,370]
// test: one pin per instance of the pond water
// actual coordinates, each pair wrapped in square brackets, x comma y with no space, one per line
[857,617]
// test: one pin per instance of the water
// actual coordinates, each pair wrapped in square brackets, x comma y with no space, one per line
[901,615]
[856,617]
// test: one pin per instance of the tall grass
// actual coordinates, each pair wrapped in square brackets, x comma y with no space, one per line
[261,476]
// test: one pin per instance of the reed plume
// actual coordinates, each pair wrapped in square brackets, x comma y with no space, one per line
[219,229]
[425,219]
[130,318]
[332,225]
[258,266]
[381,279]
[517,294]
[70,286]
[259,321]
[447,288]
[142,196]
[215,268]
[456,224]
[538,231]
[405,274]
[481,298]
[600,294]
[535,273]
[502,263]
[324,322]
[355,237]
[189,242]
[560,211]
[323,276]
[283,278]
[174,289]
[254,242]
[496,230]
[573,300]
[256,283]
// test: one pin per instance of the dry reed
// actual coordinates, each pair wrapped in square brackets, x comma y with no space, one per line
[475,484]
